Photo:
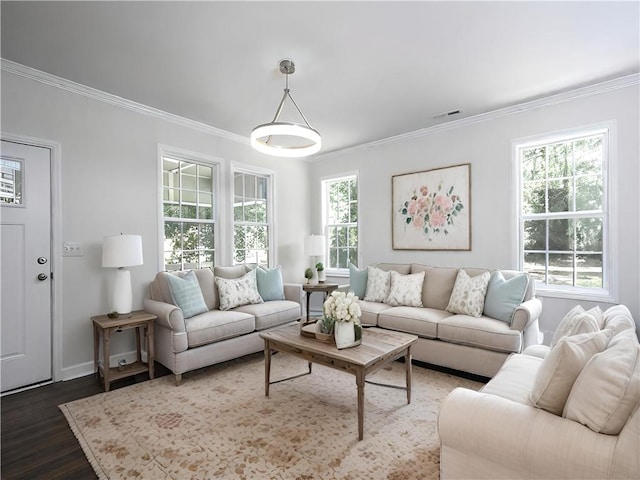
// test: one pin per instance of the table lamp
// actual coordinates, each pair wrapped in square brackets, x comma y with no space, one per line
[121,251]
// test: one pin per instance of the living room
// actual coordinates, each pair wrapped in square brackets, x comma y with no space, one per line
[106,148]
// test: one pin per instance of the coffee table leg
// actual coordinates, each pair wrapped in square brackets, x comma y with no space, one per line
[267,367]
[407,366]
[360,384]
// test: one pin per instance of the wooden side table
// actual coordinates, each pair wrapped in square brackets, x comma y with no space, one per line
[104,325]
[325,288]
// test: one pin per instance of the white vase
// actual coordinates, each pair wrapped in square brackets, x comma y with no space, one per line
[321,276]
[345,334]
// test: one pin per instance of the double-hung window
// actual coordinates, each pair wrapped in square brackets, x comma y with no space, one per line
[252,225]
[564,213]
[188,209]
[340,218]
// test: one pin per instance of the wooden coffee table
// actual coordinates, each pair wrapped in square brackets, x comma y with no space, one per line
[378,348]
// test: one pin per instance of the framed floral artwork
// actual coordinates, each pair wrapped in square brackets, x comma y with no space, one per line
[432,209]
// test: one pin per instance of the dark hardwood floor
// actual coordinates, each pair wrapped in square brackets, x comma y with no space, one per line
[37,442]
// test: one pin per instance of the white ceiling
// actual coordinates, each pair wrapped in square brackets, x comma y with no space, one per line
[365,71]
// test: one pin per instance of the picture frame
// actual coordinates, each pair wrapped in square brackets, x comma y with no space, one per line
[431,209]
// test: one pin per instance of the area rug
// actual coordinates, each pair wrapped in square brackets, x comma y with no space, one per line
[219,424]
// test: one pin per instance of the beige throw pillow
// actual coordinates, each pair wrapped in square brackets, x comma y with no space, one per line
[468,294]
[235,292]
[405,290]
[577,321]
[378,284]
[561,367]
[607,391]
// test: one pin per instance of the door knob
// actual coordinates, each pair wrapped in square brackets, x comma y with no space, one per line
[43,276]
[42,260]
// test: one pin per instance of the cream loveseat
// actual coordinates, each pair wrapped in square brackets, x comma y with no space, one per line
[474,344]
[216,335]
[569,411]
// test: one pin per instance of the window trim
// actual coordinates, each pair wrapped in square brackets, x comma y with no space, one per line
[271,207]
[338,272]
[195,157]
[610,200]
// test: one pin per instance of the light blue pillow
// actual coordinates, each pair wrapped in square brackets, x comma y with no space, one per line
[186,294]
[504,296]
[270,285]
[358,280]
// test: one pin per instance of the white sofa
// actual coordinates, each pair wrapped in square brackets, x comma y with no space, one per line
[499,433]
[213,336]
[477,345]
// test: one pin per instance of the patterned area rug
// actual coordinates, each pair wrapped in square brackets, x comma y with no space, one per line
[219,424]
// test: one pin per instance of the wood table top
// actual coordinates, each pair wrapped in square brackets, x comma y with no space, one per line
[376,343]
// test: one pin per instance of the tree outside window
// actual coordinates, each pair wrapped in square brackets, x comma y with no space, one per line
[563,211]
[341,221]
[251,218]
[189,213]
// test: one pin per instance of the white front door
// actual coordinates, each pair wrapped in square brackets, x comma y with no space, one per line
[25,281]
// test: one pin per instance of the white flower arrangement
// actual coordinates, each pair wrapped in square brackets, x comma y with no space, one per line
[342,307]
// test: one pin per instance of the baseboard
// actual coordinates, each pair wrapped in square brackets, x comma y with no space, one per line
[84,369]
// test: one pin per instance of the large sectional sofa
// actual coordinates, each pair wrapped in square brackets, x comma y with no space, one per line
[571,410]
[186,341]
[474,344]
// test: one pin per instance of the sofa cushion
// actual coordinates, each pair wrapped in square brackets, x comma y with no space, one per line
[270,285]
[358,280]
[468,294]
[607,390]
[515,378]
[235,292]
[576,321]
[562,366]
[369,311]
[618,318]
[418,321]
[186,294]
[378,283]
[272,313]
[405,289]
[235,271]
[482,332]
[504,296]
[401,268]
[217,325]
[438,285]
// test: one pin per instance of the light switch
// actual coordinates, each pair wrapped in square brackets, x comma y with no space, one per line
[72,249]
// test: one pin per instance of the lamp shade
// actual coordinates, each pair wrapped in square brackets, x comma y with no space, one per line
[314,245]
[122,251]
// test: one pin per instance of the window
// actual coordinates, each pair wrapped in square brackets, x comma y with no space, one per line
[340,214]
[251,218]
[564,212]
[188,195]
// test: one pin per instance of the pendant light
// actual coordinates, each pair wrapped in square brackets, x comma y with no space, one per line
[285,139]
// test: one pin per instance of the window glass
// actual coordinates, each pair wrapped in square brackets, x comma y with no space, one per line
[341,221]
[252,226]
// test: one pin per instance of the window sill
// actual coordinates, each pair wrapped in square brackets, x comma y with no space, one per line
[574,294]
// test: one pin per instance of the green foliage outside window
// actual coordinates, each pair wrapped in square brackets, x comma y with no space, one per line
[341,222]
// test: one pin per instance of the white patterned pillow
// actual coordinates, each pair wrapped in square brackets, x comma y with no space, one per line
[468,294]
[378,284]
[235,292]
[405,289]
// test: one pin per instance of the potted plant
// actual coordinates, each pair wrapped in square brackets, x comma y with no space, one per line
[344,309]
[324,328]
[308,274]
[321,275]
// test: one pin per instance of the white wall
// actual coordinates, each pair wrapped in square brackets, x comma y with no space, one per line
[109,184]
[487,145]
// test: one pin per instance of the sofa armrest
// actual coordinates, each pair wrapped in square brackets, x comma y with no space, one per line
[487,436]
[527,313]
[169,316]
[293,292]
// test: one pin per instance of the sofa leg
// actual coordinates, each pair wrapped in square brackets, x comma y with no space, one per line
[178,379]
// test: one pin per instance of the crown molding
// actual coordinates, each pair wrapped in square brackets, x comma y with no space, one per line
[70,86]
[95,94]
[582,92]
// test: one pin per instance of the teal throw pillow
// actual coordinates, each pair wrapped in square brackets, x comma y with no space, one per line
[186,294]
[270,286]
[504,296]
[358,280]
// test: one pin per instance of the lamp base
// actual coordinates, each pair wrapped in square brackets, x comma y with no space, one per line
[122,300]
